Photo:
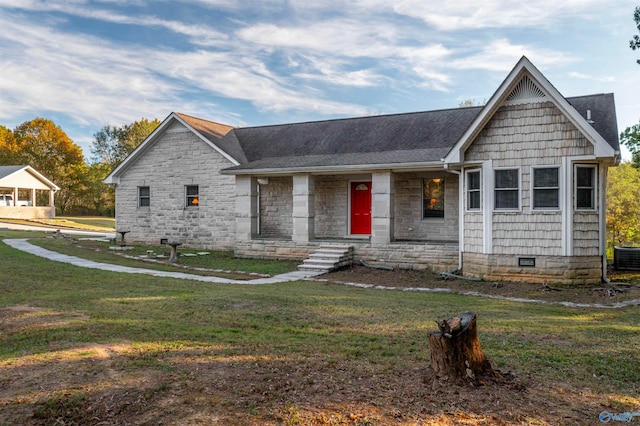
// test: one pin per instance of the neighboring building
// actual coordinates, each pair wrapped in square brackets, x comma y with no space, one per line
[512,190]
[26,194]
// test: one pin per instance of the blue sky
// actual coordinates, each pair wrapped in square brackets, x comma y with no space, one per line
[85,64]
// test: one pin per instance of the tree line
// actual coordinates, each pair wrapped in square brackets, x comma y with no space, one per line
[43,145]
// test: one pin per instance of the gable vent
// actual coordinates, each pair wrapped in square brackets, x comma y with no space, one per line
[526,91]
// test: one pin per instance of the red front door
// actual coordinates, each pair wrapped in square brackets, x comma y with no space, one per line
[361,208]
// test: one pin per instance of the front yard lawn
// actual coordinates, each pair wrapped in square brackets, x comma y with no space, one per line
[84,346]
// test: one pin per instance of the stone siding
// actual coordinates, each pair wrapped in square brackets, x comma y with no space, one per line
[276,207]
[409,224]
[548,269]
[177,159]
[332,205]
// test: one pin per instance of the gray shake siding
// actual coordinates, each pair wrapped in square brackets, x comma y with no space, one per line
[179,158]
[522,136]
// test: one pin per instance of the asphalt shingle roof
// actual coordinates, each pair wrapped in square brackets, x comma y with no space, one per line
[386,139]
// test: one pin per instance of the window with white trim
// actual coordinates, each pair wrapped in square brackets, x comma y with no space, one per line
[546,188]
[585,186]
[144,196]
[193,196]
[473,190]
[507,189]
[433,198]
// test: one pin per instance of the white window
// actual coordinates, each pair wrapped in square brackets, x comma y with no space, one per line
[144,196]
[546,188]
[585,186]
[473,190]
[507,189]
[432,198]
[193,197]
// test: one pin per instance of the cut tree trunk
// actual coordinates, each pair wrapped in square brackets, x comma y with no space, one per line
[455,350]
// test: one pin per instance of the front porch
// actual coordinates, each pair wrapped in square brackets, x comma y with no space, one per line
[291,216]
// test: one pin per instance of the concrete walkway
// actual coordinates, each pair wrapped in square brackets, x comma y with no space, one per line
[23,245]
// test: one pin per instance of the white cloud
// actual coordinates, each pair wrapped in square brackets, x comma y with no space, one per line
[501,55]
[473,14]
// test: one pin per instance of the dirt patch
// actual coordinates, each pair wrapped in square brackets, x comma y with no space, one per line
[624,286]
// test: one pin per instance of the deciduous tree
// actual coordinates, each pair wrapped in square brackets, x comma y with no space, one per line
[43,145]
[631,139]
[623,204]
[634,43]
[112,144]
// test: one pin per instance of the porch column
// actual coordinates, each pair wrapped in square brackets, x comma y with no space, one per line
[382,196]
[246,207]
[51,197]
[33,197]
[15,197]
[303,208]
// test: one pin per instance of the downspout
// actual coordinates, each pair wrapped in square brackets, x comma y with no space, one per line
[460,213]
[603,221]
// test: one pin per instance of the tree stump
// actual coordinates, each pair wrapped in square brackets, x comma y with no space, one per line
[455,350]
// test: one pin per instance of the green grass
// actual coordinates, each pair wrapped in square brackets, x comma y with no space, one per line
[306,319]
[346,331]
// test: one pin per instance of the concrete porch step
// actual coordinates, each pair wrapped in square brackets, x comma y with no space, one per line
[328,258]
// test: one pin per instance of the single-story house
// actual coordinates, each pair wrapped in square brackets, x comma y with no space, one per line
[26,194]
[512,190]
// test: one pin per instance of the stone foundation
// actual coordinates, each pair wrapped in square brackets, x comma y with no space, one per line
[547,269]
[438,257]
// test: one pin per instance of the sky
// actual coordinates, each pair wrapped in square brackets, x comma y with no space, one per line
[85,64]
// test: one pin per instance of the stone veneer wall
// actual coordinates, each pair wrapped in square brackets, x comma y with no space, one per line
[438,257]
[548,269]
[276,207]
[409,224]
[177,159]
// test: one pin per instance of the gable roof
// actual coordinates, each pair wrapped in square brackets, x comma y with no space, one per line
[208,131]
[525,80]
[397,141]
[8,171]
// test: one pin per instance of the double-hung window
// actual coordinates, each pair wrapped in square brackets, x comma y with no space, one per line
[507,189]
[192,196]
[546,188]
[473,190]
[585,186]
[144,196]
